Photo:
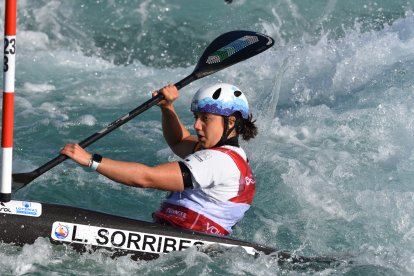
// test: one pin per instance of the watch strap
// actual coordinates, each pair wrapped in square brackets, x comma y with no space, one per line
[95,161]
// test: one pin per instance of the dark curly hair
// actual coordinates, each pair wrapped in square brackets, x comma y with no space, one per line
[245,127]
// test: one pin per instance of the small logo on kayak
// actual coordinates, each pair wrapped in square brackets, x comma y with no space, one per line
[61,232]
[27,209]
[23,208]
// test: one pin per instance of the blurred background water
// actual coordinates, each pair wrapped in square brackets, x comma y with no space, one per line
[334,158]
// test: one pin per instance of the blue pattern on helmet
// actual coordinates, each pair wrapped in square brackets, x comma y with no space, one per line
[220,107]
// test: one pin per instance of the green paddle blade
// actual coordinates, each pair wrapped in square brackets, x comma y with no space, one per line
[226,50]
[231,48]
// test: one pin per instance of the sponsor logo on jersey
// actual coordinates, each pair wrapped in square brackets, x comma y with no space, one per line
[249,180]
[178,213]
[202,155]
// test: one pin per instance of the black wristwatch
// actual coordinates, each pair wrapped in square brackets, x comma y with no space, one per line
[95,161]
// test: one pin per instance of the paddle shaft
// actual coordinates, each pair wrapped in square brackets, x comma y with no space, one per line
[226,50]
[114,125]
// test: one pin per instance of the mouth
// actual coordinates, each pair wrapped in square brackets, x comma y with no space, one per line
[200,137]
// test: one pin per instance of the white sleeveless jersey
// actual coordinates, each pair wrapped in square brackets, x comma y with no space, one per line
[219,186]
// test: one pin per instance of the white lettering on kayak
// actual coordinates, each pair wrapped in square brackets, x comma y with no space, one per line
[126,240]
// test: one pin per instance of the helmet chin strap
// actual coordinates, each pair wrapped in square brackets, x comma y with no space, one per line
[224,140]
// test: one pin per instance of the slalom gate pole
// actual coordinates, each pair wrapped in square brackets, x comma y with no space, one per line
[8,99]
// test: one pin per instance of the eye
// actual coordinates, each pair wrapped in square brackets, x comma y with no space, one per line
[237,93]
[205,118]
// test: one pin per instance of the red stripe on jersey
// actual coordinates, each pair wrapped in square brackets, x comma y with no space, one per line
[182,217]
[247,184]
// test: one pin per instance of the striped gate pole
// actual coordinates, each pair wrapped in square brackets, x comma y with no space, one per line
[8,99]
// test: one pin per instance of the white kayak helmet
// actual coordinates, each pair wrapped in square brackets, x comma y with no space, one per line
[221,99]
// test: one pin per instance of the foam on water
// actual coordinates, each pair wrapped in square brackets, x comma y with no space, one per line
[333,159]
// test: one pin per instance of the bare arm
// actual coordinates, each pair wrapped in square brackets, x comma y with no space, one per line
[175,133]
[163,177]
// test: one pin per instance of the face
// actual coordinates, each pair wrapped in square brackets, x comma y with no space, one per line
[209,128]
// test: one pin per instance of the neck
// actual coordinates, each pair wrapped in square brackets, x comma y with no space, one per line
[233,141]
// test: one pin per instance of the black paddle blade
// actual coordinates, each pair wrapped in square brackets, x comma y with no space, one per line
[231,48]
[226,50]
[19,180]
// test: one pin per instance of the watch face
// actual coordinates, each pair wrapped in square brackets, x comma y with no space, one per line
[97,158]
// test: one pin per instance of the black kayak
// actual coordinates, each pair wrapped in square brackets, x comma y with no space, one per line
[22,222]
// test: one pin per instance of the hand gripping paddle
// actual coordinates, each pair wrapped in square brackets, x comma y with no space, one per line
[226,50]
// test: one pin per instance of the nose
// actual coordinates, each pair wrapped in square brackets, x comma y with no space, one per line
[197,124]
